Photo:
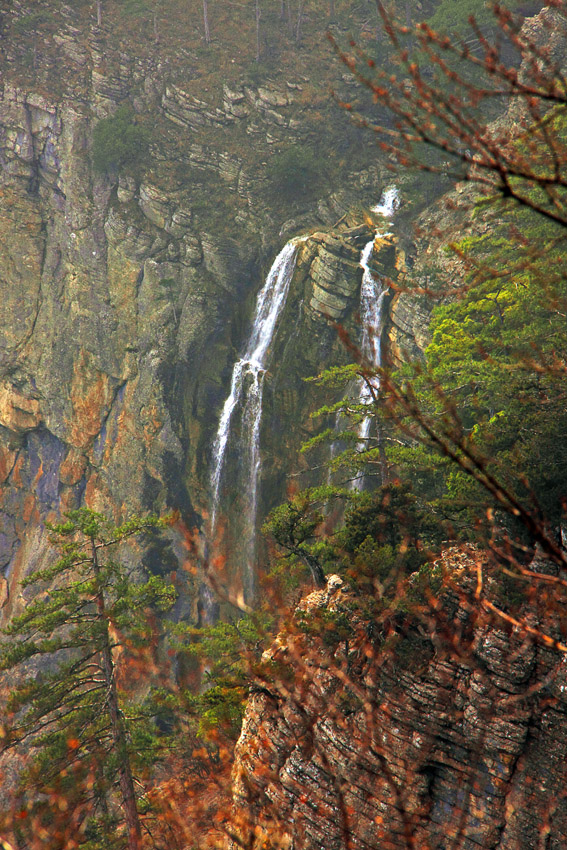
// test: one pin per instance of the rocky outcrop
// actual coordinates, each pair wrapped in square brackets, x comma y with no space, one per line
[320,328]
[428,271]
[451,734]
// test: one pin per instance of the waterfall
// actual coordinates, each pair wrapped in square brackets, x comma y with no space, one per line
[247,386]
[372,295]
[388,204]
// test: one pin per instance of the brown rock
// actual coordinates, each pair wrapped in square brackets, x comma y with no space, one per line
[17,411]
[361,747]
[73,467]
[90,395]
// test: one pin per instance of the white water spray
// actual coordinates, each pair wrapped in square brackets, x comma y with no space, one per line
[387,206]
[247,384]
[372,295]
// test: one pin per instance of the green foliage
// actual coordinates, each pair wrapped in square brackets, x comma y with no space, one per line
[494,359]
[119,141]
[295,527]
[135,7]
[381,515]
[31,21]
[425,584]
[229,653]
[59,653]
[383,538]
[332,626]
[295,172]
[453,15]
[258,72]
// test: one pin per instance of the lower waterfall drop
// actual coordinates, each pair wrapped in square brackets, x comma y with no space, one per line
[246,394]
[372,296]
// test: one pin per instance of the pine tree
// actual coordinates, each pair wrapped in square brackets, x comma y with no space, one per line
[67,709]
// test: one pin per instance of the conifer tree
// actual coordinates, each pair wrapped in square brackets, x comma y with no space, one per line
[68,709]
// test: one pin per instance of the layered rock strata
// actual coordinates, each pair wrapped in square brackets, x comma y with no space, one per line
[453,736]
[126,294]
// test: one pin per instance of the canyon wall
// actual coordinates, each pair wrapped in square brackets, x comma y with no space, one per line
[127,294]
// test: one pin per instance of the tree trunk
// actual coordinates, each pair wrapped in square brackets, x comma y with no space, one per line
[206,20]
[289,16]
[315,568]
[299,21]
[126,780]
[282,10]
[332,10]
[257,30]
[99,13]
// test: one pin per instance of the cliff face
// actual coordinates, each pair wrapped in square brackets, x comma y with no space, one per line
[430,270]
[126,295]
[453,737]
[87,332]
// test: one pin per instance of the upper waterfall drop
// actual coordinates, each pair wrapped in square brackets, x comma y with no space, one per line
[248,382]
[387,205]
[372,295]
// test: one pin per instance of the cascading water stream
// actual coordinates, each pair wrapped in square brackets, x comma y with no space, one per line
[247,386]
[372,296]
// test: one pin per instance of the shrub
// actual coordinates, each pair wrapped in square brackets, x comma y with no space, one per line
[118,141]
[28,23]
[294,172]
[453,15]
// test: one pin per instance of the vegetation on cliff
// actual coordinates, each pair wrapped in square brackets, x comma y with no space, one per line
[118,142]
[468,448]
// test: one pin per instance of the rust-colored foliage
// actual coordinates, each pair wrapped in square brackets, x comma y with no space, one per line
[413,711]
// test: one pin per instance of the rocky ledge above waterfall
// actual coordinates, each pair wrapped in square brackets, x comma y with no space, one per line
[329,261]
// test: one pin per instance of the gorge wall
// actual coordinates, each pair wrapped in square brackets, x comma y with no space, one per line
[127,294]
[126,300]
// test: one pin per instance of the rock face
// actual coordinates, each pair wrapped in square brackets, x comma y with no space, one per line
[429,272]
[456,738]
[126,295]
[324,296]
[321,310]
[87,328]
